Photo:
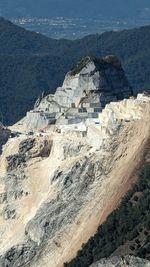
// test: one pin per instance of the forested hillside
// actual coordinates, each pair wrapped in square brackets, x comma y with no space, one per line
[32,63]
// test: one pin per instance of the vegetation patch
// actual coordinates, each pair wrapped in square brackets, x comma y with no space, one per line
[82,64]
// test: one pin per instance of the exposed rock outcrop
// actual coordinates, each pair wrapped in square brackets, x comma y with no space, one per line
[87,88]
[4,136]
[57,184]
[56,187]
[128,261]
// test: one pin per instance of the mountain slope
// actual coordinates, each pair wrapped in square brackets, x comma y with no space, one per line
[60,181]
[126,231]
[32,63]
[17,40]
[57,187]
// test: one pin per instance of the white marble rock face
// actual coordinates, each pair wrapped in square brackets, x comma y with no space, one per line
[94,81]
[56,184]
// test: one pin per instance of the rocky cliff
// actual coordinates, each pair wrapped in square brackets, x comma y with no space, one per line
[87,88]
[61,180]
[58,185]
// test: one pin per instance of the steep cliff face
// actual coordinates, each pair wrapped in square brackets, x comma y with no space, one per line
[93,83]
[57,186]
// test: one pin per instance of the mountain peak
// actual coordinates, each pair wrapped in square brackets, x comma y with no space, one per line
[87,88]
[100,63]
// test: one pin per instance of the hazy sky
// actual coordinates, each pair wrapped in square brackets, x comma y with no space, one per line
[75,8]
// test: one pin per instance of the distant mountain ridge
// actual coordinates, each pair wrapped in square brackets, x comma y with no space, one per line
[32,63]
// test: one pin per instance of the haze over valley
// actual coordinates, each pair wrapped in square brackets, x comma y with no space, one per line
[74,19]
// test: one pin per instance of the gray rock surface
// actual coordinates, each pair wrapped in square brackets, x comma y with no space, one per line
[4,136]
[54,185]
[127,261]
[19,256]
[93,83]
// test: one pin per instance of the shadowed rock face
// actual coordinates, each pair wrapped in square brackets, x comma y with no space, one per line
[127,261]
[4,135]
[93,83]
[98,75]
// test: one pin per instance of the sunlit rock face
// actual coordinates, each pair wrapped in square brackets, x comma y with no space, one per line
[58,185]
[60,182]
[87,88]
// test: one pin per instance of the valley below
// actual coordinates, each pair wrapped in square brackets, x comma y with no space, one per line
[73,28]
